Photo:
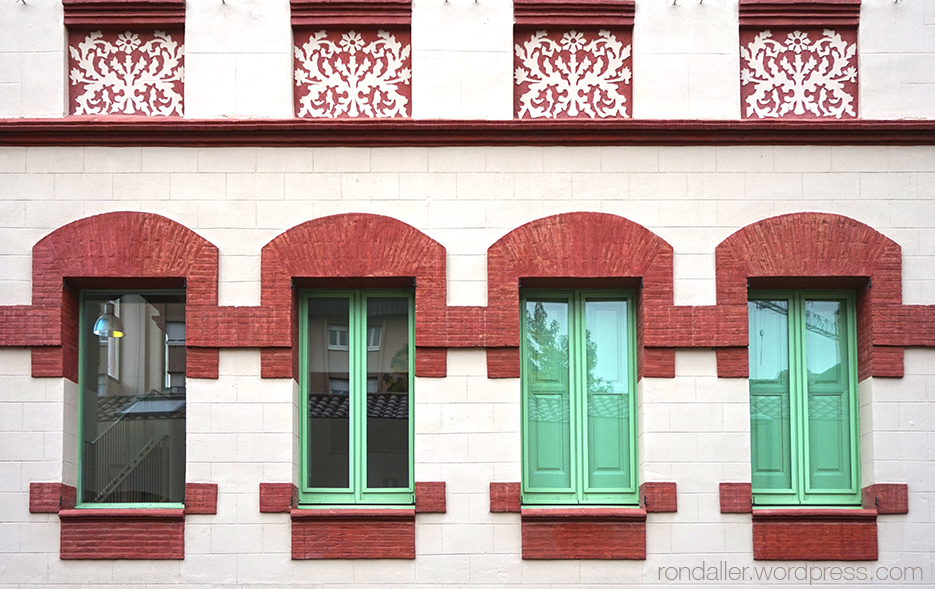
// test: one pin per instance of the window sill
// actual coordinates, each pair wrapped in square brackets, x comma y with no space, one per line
[122,534]
[353,533]
[814,534]
[602,533]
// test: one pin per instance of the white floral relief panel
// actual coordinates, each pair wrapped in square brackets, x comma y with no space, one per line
[807,73]
[572,74]
[129,73]
[350,74]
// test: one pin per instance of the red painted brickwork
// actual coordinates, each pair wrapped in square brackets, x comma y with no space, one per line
[358,13]
[815,534]
[50,497]
[505,498]
[432,362]
[353,533]
[736,497]
[799,13]
[576,250]
[832,251]
[573,13]
[592,534]
[355,245]
[886,498]
[430,497]
[201,498]
[659,497]
[118,534]
[123,13]
[113,250]
[278,497]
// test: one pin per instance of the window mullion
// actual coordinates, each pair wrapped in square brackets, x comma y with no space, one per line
[358,376]
[578,393]
[799,394]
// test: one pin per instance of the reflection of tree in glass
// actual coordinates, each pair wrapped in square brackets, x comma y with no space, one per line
[547,351]
[398,380]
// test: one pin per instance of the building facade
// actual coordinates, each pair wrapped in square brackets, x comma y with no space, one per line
[467,293]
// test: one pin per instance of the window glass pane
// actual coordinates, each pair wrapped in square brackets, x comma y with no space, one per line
[328,432]
[606,345]
[133,400]
[829,450]
[387,384]
[548,433]
[770,425]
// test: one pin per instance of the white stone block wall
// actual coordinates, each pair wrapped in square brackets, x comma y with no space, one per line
[694,428]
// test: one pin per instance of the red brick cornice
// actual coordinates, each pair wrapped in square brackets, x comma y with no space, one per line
[799,13]
[154,131]
[124,13]
[351,13]
[574,13]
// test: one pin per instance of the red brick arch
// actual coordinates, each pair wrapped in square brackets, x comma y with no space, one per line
[113,250]
[339,250]
[576,249]
[813,250]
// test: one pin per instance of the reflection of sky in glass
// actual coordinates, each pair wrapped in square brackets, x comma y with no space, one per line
[769,339]
[822,335]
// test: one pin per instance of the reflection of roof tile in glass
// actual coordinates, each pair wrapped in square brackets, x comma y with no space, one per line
[391,406]
[112,407]
[556,409]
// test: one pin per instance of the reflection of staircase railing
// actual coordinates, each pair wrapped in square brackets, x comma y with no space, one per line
[124,447]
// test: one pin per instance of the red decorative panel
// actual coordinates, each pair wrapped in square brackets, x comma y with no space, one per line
[344,73]
[811,250]
[815,534]
[572,73]
[138,72]
[121,13]
[886,498]
[505,498]
[798,72]
[358,249]
[736,497]
[113,250]
[430,497]
[353,533]
[50,497]
[592,534]
[659,497]
[117,534]
[278,497]
[201,498]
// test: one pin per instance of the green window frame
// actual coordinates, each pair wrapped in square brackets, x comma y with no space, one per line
[579,439]
[356,429]
[805,445]
[131,450]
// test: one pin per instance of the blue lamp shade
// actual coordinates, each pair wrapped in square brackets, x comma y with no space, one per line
[108,324]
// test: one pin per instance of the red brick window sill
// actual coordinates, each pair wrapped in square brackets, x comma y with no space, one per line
[583,533]
[118,534]
[814,534]
[353,533]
